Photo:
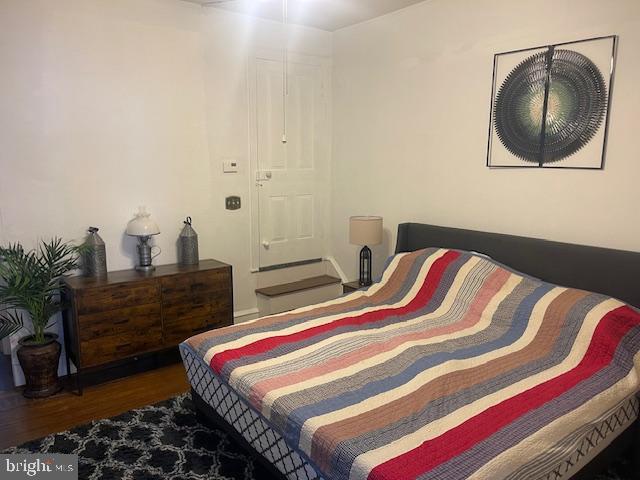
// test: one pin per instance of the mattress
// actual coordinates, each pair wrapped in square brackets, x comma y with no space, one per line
[246,421]
[452,366]
[566,458]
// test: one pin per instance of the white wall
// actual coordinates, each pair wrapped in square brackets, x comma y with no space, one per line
[101,112]
[410,120]
[110,104]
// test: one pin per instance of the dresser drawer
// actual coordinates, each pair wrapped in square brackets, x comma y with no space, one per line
[210,305]
[102,299]
[99,351]
[194,285]
[179,330]
[134,320]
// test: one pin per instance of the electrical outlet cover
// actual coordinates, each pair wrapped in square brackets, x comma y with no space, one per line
[232,203]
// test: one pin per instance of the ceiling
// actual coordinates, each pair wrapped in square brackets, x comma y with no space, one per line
[325,14]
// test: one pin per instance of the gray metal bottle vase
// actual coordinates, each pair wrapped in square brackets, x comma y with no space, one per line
[94,261]
[188,245]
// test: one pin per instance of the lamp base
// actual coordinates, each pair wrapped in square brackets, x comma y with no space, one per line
[365,267]
[144,256]
[145,268]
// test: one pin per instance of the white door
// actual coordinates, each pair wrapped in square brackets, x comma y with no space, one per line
[291,178]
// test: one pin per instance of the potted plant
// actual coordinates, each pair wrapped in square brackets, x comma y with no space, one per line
[30,283]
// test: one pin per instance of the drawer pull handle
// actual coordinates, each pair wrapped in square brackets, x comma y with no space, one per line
[123,345]
[120,322]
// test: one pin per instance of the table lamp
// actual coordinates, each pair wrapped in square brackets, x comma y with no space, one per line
[365,231]
[143,227]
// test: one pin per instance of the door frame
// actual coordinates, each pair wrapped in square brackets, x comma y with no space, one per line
[276,55]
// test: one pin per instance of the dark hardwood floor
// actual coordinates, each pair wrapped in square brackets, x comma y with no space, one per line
[22,419]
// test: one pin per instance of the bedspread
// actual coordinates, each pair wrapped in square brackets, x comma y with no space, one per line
[451,366]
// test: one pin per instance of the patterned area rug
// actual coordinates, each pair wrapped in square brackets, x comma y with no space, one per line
[159,442]
[166,442]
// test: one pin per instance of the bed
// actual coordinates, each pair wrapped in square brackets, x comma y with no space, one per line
[458,363]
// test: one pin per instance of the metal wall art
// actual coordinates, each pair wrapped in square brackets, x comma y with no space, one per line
[566,84]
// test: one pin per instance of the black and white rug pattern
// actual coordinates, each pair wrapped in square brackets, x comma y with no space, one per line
[159,442]
[167,442]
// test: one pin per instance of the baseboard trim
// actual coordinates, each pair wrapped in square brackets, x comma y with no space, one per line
[336,266]
[245,313]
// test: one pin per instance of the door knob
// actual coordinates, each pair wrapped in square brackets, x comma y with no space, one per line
[265,244]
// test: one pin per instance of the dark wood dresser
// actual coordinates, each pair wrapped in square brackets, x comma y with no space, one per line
[129,313]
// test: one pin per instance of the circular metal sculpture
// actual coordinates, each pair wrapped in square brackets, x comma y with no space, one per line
[575,106]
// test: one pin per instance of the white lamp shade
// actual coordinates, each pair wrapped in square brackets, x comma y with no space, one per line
[365,230]
[142,225]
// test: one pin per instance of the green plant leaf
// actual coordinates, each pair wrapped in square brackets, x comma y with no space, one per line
[31,281]
[10,323]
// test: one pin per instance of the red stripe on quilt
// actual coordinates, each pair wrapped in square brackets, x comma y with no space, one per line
[606,338]
[427,290]
[492,285]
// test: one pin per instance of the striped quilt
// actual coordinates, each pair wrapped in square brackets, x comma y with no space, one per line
[451,366]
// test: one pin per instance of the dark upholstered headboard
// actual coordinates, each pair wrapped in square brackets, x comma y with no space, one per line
[613,272]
